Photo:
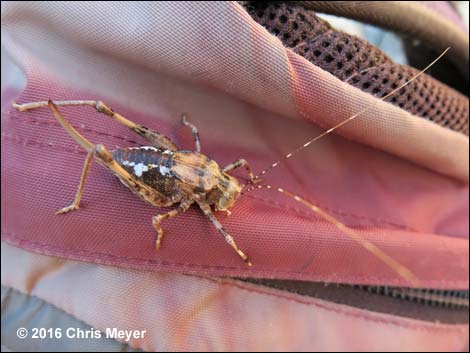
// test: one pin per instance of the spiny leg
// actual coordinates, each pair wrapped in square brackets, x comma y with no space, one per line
[87,145]
[155,138]
[228,238]
[82,141]
[78,196]
[156,220]
[242,163]
[193,128]
[105,158]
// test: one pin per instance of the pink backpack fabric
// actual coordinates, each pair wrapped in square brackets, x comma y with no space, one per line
[398,180]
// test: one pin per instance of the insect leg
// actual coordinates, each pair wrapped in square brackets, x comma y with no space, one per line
[89,158]
[105,158]
[82,141]
[156,220]
[155,138]
[242,163]
[208,212]
[78,196]
[193,128]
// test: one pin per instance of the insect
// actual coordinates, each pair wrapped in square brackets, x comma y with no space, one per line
[163,175]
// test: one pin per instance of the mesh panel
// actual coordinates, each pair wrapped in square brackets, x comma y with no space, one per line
[361,64]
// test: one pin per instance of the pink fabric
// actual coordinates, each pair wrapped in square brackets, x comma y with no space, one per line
[283,240]
[192,313]
[402,184]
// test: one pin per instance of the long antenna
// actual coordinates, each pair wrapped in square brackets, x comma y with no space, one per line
[298,149]
[398,268]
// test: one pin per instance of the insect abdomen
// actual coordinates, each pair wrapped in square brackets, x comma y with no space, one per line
[150,165]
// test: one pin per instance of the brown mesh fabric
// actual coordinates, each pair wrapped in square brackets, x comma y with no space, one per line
[361,64]
[414,20]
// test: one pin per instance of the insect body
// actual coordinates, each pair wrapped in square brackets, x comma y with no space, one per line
[161,174]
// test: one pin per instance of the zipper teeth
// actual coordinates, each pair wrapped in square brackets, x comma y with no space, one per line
[446,298]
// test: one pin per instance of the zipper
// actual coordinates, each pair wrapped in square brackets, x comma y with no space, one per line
[446,298]
[433,305]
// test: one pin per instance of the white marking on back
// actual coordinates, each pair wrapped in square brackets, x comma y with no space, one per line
[140,168]
[164,170]
[146,148]
[127,163]
[149,148]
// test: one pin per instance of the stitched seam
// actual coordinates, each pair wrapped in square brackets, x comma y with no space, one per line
[376,221]
[35,121]
[98,257]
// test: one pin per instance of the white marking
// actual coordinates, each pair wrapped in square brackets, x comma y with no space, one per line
[168,152]
[274,164]
[149,148]
[139,169]
[280,190]
[163,170]
[146,148]
[127,163]
[289,155]
[308,143]
[267,186]
[296,198]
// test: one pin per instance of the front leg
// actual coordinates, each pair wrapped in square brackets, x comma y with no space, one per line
[242,163]
[155,138]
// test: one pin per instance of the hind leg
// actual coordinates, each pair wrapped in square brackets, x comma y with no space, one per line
[155,138]
[105,158]
[87,145]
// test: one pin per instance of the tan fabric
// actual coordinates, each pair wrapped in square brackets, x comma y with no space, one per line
[190,313]
[261,72]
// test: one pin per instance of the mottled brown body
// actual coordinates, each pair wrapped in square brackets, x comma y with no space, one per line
[179,175]
[151,166]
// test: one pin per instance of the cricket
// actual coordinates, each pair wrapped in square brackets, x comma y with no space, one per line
[163,175]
